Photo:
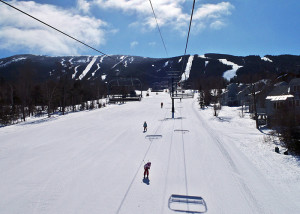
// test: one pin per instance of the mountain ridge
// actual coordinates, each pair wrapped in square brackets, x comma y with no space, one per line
[149,70]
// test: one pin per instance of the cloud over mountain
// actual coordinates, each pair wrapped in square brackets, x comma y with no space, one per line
[18,31]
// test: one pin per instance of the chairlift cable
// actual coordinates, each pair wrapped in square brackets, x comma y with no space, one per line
[158,27]
[57,29]
[187,39]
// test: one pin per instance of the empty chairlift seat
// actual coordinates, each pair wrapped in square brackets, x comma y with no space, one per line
[187,204]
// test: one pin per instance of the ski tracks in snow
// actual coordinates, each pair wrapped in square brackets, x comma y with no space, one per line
[253,203]
[134,179]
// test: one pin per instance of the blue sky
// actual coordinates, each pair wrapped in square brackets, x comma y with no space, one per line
[127,27]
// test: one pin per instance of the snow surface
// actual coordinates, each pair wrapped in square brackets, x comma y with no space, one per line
[202,56]
[103,77]
[230,73]
[13,60]
[74,75]
[266,59]
[92,162]
[93,74]
[63,62]
[188,67]
[88,68]
[122,59]
[166,63]
[101,58]
[89,58]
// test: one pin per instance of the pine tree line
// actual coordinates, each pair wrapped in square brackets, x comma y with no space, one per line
[24,96]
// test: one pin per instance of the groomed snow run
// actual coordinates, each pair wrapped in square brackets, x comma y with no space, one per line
[232,72]
[88,67]
[92,162]
[188,67]
[266,59]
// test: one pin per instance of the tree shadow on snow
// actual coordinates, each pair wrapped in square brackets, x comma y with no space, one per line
[146,181]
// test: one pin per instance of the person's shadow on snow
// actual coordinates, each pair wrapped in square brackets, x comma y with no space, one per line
[146,181]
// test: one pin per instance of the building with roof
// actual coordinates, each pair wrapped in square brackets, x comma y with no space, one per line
[283,99]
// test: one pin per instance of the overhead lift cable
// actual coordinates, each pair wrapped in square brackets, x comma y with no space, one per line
[57,29]
[158,27]
[187,39]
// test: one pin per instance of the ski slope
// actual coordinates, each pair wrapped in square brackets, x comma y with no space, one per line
[92,162]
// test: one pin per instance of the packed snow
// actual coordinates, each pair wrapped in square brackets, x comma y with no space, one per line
[123,58]
[92,162]
[266,59]
[188,67]
[89,58]
[94,72]
[88,68]
[74,75]
[202,56]
[13,60]
[103,77]
[101,58]
[232,72]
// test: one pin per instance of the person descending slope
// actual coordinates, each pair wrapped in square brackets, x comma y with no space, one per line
[161,104]
[145,126]
[146,169]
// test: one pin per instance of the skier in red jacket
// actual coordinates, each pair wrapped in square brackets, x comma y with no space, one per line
[146,168]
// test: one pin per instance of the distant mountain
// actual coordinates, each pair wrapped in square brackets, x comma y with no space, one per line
[148,70]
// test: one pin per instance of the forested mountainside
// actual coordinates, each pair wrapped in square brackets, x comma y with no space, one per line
[196,68]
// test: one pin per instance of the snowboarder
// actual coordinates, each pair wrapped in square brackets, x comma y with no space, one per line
[161,104]
[146,169]
[145,126]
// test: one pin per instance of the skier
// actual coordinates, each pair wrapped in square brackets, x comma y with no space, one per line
[161,104]
[146,169]
[145,126]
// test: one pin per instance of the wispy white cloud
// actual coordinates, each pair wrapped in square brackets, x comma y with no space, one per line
[170,13]
[18,31]
[83,6]
[217,25]
[212,15]
[133,44]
